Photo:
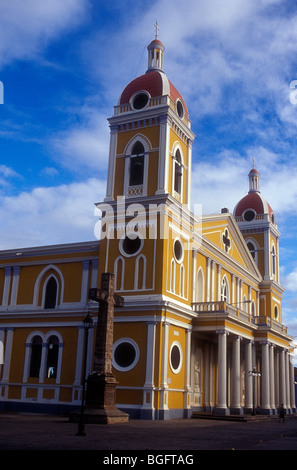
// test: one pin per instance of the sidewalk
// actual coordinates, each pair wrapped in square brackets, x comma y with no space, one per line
[24,431]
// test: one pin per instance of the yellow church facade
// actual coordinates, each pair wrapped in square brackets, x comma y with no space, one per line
[201,327]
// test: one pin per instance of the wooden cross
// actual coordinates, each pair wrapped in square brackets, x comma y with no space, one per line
[107,300]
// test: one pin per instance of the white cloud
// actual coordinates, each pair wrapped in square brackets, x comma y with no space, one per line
[7,174]
[290,282]
[45,216]
[27,26]
[84,146]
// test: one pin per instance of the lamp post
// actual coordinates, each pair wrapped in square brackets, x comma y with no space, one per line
[87,323]
[254,373]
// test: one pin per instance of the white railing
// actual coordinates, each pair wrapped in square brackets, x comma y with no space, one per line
[202,308]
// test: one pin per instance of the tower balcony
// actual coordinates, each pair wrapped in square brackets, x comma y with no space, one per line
[219,310]
[152,104]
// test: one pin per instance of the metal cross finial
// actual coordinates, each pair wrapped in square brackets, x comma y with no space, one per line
[157,29]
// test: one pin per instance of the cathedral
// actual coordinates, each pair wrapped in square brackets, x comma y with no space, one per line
[201,327]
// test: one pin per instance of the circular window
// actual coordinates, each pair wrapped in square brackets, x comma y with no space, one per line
[180,109]
[140,100]
[125,354]
[130,245]
[178,250]
[175,357]
[249,215]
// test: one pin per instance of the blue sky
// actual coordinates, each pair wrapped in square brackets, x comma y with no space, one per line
[63,66]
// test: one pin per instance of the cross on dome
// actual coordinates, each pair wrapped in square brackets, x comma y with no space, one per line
[157,29]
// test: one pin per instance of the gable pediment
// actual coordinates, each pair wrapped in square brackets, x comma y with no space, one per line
[221,234]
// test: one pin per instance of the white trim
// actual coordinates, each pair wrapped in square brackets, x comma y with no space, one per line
[42,371]
[178,369]
[38,282]
[136,349]
[136,275]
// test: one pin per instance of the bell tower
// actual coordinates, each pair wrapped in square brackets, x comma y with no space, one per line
[149,172]
[146,227]
[257,223]
[151,137]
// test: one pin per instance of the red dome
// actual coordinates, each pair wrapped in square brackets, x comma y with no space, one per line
[156,84]
[254,201]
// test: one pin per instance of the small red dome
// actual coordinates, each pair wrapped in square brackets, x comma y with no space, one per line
[255,202]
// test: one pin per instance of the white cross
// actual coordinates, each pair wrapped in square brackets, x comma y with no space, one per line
[157,29]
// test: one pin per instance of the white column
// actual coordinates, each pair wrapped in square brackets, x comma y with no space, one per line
[213,264]
[235,396]
[206,377]
[248,377]
[211,365]
[282,380]
[165,123]
[7,354]
[218,283]
[111,163]
[221,406]
[7,281]
[187,394]
[164,384]
[14,288]
[272,377]
[2,335]
[232,289]
[148,392]
[208,279]
[292,384]
[85,282]
[288,398]
[189,173]
[265,405]
[266,254]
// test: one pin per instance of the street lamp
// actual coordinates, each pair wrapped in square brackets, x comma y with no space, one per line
[87,323]
[254,373]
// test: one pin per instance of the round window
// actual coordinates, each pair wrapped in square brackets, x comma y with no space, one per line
[249,215]
[125,354]
[178,250]
[175,357]
[140,101]
[180,109]
[130,245]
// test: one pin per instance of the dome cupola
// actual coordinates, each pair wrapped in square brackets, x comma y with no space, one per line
[148,89]
[253,204]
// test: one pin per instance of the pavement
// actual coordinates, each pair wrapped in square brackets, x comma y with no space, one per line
[41,432]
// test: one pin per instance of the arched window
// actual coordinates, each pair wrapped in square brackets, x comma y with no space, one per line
[52,357]
[35,362]
[119,269]
[140,272]
[177,172]
[136,165]
[273,261]
[50,300]
[252,249]
[200,286]
[172,276]
[224,290]
[276,312]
